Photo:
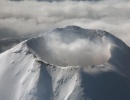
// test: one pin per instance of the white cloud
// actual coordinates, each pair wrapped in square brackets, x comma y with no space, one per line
[26,17]
[64,51]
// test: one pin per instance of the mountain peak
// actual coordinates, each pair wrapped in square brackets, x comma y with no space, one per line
[72,27]
[68,63]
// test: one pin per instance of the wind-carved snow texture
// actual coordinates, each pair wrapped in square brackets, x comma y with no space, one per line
[68,63]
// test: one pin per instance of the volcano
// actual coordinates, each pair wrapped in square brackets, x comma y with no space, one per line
[69,63]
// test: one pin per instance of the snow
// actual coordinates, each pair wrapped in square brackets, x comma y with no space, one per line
[32,71]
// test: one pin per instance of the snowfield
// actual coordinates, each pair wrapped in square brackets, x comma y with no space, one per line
[68,63]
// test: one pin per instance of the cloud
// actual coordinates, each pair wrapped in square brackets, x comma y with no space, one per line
[64,50]
[27,18]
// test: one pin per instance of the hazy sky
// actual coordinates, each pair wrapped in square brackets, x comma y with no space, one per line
[32,17]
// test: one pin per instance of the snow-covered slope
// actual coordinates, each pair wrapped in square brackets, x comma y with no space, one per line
[68,63]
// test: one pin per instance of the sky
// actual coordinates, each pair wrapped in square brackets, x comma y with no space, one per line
[28,18]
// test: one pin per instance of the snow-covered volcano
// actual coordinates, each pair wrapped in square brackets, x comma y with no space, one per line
[68,63]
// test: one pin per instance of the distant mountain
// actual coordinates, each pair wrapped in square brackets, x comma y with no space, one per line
[68,63]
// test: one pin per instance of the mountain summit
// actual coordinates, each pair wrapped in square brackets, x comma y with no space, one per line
[68,63]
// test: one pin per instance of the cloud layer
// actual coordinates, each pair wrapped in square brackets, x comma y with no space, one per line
[25,18]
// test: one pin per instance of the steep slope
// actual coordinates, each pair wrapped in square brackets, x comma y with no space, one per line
[68,63]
